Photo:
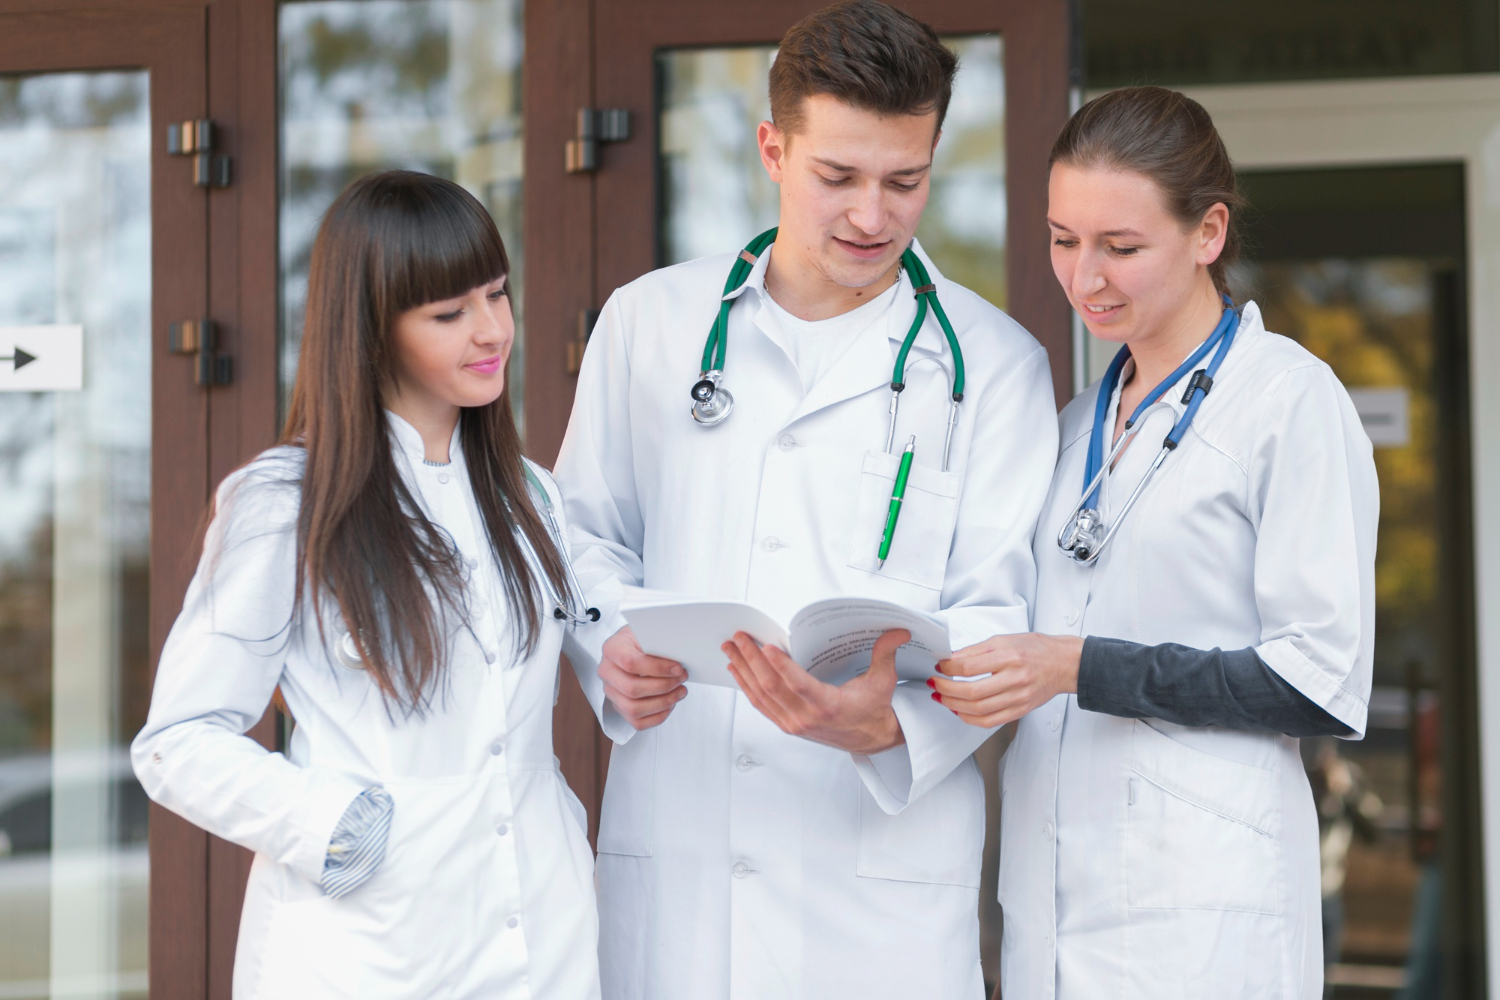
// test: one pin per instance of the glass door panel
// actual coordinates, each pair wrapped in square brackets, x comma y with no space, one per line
[75,251]
[429,85]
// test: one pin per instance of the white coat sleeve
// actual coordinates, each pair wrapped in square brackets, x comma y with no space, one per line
[991,575]
[1315,502]
[596,473]
[221,663]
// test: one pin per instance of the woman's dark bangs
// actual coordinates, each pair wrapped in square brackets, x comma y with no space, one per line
[448,244]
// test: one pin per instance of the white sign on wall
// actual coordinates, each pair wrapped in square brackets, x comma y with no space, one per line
[1384,414]
[41,358]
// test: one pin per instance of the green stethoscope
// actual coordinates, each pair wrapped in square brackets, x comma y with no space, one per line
[712,402]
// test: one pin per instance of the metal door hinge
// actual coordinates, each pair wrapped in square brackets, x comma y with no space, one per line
[586,320]
[595,125]
[196,139]
[199,337]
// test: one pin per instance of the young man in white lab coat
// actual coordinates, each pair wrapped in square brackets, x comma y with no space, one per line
[796,839]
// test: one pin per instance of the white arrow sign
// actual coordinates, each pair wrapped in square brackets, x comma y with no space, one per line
[41,358]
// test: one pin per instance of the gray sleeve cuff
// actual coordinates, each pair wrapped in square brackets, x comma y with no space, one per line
[1196,687]
[358,843]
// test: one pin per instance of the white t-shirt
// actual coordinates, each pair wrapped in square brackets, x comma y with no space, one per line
[816,345]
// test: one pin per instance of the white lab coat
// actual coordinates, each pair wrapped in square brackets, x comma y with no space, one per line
[737,861]
[486,886]
[1141,859]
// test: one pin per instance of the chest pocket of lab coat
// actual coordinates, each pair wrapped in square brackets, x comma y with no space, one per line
[924,531]
[1201,830]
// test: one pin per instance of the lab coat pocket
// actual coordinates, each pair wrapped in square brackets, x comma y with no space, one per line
[938,839]
[1202,830]
[629,797]
[924,529]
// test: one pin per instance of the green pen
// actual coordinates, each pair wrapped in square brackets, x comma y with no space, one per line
[897,495]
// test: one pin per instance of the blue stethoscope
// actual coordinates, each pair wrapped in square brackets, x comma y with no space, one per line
[1084,534]
[712,402]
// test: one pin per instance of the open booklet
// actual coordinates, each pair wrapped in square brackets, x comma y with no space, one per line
[831,638]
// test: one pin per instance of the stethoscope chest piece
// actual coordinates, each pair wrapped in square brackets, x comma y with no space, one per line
[1083,535]
[347,653]
[711,401]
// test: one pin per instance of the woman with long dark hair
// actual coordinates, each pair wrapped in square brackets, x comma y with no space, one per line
[391,567]
[1205,597]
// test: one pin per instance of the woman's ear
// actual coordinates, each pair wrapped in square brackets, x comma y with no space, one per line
[1212,232]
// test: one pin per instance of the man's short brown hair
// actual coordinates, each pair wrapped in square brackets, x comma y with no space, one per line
[867,54]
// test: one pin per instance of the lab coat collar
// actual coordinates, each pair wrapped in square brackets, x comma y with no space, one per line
[1250,327]
[930,338]
[406,441]
[869,361]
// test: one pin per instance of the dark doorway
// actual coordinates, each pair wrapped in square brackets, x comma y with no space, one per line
[1365,267]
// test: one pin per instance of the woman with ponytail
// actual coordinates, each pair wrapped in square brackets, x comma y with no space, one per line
[1205,598]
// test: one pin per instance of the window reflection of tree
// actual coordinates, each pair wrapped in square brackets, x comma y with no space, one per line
[1372,322]
[429,85]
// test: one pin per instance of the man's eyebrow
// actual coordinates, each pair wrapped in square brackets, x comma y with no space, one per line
[903,172]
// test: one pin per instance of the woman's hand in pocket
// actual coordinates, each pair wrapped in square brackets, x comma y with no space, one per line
[1002,678]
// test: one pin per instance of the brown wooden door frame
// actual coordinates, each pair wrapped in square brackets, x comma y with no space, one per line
[587,234]
[213,254]
[169,45]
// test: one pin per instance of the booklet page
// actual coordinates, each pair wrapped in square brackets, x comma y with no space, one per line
[833,638]
[691,632]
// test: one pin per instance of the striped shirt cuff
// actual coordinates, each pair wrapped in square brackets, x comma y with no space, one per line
[358,843]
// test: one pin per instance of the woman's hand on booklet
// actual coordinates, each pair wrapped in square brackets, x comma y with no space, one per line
[1024,672]
[856,717]
[643,688]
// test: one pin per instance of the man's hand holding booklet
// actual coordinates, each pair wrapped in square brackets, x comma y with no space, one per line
[831,638]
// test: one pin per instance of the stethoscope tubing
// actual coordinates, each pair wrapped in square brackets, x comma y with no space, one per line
[1098,481]
[1097,466]
[564,608]
[713,403]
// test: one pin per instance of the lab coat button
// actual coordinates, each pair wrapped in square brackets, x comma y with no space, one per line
[502,829]
[442,477]
[741,869]
[1071,617]
[489,657]
[497,748]
[745,762]
[513,922]
[1047,830]
[771,543]
[787,442]
[1053,723]
[473,563]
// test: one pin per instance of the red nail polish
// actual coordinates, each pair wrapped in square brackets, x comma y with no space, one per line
[931,683]
[936,696]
